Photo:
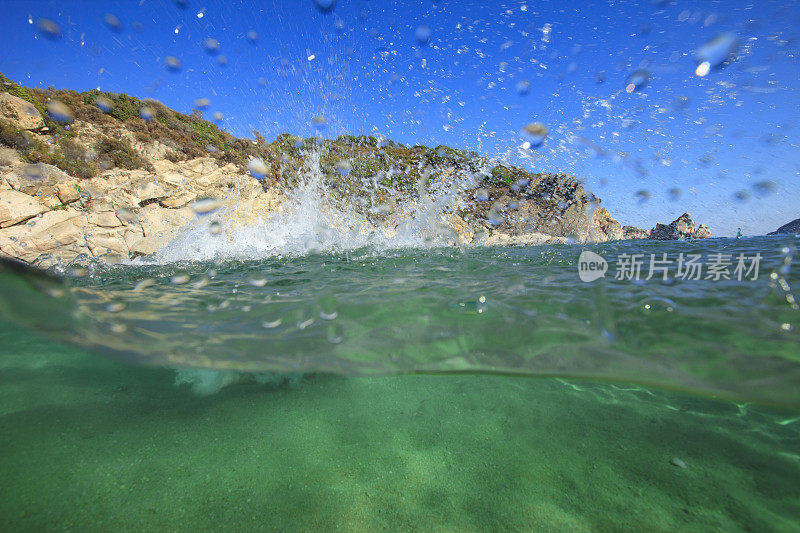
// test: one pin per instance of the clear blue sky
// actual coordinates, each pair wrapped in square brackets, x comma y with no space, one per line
[362,68]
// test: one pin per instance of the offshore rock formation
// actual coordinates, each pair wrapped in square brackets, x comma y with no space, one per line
[681,228]
[102,182]
[791,227]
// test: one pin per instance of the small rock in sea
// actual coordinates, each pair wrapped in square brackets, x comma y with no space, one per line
[677,462]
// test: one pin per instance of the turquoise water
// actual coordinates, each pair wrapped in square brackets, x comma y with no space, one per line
[443,388]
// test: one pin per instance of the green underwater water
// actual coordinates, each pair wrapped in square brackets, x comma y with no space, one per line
[462,390]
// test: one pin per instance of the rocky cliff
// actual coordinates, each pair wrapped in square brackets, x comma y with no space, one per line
[108,176]
[791,227]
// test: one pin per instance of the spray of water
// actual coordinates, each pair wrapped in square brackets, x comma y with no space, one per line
[314,218]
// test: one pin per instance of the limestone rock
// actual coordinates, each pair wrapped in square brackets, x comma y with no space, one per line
[16,207]
[68,192]
[20,113]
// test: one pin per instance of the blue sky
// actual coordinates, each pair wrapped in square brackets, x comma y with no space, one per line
[726,142]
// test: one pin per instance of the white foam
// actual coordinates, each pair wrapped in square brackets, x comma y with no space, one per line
[309,222]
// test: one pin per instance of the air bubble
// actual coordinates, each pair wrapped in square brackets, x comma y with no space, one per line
[115,307]
[179,279]
[272,324]
[659,305]
[335,333]
[327,307]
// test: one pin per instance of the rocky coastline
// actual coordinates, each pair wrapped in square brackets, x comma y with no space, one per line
[108,177]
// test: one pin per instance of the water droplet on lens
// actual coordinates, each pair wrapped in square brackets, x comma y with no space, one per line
[637,81]
[495,215]
[674,194]
[218,116]
[716,52]
[764,188]
[252,36]
[49,29]
[344,167]
[536,133]
[423,35]
[741,196]
[642,195]
[258,169]
[126,216]
[172,63]
[34,172]
[202,103]
[147,113]
[523,87]
[319,123]
[113,22]
[204,206]
[211,46]
[104,104]
[482,195]
[215,228]
[325,6]
[59,112]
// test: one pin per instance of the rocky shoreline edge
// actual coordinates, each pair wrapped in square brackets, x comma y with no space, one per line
[108,177]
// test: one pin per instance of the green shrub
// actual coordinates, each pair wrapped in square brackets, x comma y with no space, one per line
[121,154]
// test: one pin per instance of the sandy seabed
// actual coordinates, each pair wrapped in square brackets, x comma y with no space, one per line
[92,444]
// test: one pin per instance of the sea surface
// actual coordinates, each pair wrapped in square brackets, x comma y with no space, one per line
[430,387]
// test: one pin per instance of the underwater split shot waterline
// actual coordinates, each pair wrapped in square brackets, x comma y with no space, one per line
[400,389]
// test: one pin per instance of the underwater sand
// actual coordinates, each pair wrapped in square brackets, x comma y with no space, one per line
[91,444]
